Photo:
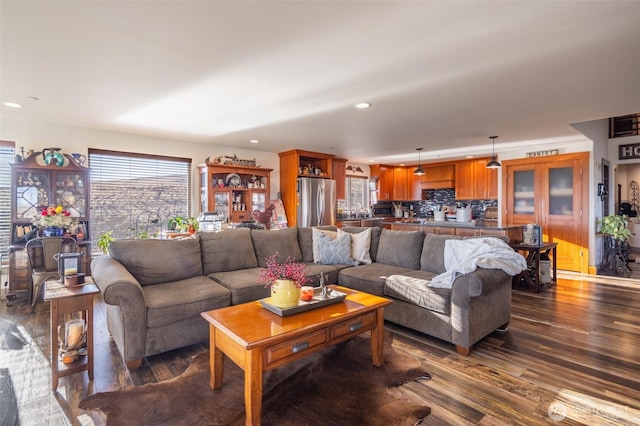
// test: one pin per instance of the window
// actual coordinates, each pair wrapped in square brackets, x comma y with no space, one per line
[357,196]
[134,195]
[6,157]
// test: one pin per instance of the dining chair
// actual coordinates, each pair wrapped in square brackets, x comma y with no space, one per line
[41,253]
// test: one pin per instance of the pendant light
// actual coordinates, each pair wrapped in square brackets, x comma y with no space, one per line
[493,164]
[419,171]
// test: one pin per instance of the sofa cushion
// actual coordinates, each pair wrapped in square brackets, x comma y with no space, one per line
[227,250]
[267,243]
[360,245]
[432,259]
[416,291]
[334,251]
[153,261]
[305,240]
[400,248]
[175,301]
[369,278]
[375,238]
[243,285]
[316,234]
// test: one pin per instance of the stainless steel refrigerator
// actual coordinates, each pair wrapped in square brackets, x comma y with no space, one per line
[316,202]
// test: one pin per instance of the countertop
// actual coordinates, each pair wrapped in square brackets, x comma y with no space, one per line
[448,224]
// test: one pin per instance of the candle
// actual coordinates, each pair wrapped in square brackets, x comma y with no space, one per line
[70,271]
[306,293]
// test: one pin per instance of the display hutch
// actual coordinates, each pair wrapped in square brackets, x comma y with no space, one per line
[298,163]
[233,192]
[551,191]
[45,179]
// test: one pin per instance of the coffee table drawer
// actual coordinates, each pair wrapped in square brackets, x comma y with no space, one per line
[353,327]
[294,348]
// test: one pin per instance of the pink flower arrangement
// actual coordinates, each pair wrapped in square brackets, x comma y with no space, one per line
[288,270]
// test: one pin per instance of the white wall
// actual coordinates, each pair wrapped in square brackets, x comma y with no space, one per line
[37,136]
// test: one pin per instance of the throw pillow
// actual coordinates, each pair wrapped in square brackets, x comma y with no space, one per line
[315,236]
[336,251]
[360,245]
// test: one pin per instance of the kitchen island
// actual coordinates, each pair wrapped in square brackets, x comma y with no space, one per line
[462,229]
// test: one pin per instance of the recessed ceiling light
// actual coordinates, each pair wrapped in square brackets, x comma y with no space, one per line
[372,161]
[254,141]
[362,105]
[469,156]
[13,105]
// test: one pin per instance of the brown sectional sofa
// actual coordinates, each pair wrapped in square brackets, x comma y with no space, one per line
[155,290]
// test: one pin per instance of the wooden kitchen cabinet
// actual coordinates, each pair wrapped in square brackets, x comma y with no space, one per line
[400,183]
[297,163]
[385,181]
[474,181]
[340,176]
[551,192]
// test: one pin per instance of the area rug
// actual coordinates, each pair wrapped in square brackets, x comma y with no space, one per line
[337,386]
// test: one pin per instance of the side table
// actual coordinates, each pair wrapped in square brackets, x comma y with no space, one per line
[531,276]
[67,300]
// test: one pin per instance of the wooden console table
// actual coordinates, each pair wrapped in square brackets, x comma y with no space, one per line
[67,300]
[531,277]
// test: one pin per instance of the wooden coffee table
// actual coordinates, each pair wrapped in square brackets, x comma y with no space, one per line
[258,340]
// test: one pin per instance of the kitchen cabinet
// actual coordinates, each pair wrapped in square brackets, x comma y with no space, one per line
[37,182]
[297,163]
[438,176]
[551,192]
[385,181]
[340,176]
[400,183]
[233,192]
[474,181]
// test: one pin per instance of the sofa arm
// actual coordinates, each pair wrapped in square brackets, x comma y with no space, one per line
[480,281]
[480,303]
[120,288]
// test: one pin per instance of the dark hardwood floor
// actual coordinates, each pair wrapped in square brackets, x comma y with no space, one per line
[570,356]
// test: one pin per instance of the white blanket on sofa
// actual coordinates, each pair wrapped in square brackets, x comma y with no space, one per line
[466,255]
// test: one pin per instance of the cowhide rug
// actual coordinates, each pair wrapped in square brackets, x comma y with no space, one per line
[337,386]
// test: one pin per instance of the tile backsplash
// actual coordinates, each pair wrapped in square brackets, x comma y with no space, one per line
[446,197]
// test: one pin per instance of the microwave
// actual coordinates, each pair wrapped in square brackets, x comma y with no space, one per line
[382,210]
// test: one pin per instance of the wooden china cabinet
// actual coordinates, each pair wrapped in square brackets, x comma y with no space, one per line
[233,192]
[45,179]
[551,191]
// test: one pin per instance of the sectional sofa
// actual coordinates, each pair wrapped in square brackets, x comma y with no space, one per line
[155,290]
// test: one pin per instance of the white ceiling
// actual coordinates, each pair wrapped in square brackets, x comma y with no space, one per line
[440,74]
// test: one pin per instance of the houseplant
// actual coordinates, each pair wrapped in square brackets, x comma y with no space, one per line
[285,280]
[615,226]
[187,224]
[104,241]
[54,221]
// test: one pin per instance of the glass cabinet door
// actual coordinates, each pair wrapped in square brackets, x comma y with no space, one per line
[523,194]
[221,204]
[32,193]
[258,201]
[561,191]
[70,193]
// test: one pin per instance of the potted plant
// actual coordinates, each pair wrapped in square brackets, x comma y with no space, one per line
[104,241]
[615,226]
[285,280]
[187,224]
